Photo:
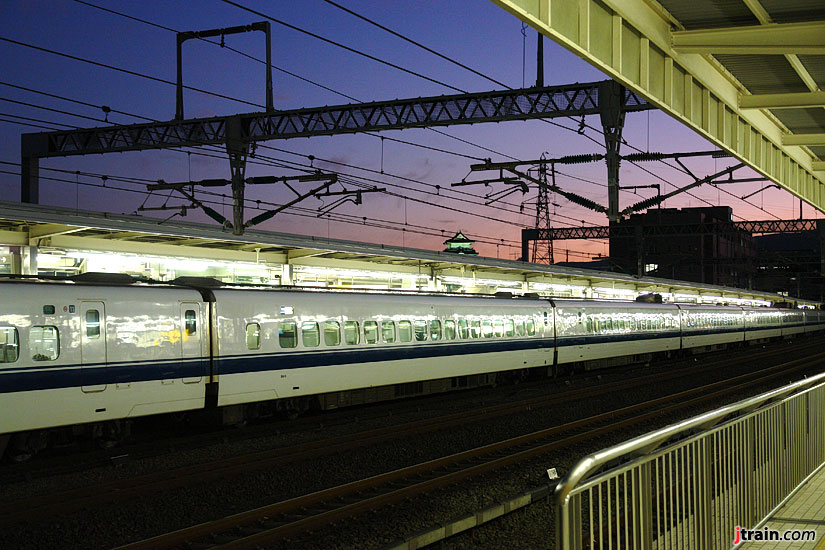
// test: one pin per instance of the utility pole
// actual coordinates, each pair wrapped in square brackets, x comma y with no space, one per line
[611,103]
[540,62]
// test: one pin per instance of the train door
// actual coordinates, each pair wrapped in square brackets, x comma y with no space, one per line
[93,346]
[191,342]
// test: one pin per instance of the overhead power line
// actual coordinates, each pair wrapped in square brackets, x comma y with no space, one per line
[307,213]
[420,45]
[125,71]
[345,47]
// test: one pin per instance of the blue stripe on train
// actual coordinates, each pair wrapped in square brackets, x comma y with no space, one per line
[73,376]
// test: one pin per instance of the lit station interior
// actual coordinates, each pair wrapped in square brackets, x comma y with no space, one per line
[58,241]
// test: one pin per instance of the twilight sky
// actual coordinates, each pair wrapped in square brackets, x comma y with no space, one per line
[473,32]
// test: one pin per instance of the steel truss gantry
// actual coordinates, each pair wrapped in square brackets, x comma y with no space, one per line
[629,230]
[238,132]
[498,106]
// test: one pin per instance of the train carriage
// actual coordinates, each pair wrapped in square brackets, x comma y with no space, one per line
[793,322]
[814,319]
[287,345]
[705,326]
[762,323]
[589,330]
[81,353]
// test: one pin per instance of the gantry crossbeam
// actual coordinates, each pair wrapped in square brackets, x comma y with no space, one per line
[628,230]
[522,104]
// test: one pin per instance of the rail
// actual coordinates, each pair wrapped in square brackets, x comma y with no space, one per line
[689,484]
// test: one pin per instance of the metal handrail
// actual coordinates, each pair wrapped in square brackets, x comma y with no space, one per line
[623,456]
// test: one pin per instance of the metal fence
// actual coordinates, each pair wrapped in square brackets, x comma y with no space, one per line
[689,485]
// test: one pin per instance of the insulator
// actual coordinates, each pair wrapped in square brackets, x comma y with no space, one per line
[579,159]
[587,203]
[644,156]
[647,203]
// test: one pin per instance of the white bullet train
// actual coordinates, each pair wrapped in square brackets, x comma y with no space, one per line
[85,353]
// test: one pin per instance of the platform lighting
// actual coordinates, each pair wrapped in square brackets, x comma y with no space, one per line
[467,281]
[617,292]
[556,287]
[114,262]
[318,284]
[349,273]
[497,282]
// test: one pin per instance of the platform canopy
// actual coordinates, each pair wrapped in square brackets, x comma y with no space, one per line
[747,75]
[49,232]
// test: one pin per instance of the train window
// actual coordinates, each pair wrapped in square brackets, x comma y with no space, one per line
[9,345]
[370,332]
[44,342]
[463,329]
[420,330]
[253,336]
[475,329]
[486,328]
[589,324]
[449,329]
[48,310]
[93,323]
[520,327]
[405,331]
[191,322]
[435,329]
[531,327]
[388,331]
[498,328]
[509,328]
[352,335]
[310,335]
[287,334]
[332,333]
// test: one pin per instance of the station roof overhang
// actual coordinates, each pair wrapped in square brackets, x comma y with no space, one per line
[50,227]
[748,75]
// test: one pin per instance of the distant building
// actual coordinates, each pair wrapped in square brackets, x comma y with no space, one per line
[691,244]
[459,244]
[792,264]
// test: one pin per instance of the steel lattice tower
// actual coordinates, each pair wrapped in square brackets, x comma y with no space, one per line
[543,250]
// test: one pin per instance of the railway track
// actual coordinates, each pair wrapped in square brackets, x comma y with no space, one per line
[90,496]
[292,518]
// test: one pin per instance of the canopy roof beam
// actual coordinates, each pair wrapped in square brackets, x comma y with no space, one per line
[773,38]
[782,101]
[803,139]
